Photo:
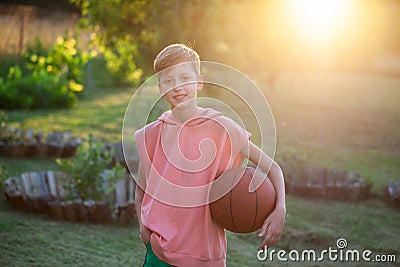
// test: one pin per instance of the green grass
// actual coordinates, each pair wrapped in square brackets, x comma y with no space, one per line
[33,240]
[100,111]
[344,121]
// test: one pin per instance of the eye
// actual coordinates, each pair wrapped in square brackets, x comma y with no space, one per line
[187,78]
[167,81]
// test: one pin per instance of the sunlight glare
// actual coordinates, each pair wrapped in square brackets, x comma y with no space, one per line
[319,19]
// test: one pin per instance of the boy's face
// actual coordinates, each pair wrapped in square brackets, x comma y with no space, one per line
[179,83]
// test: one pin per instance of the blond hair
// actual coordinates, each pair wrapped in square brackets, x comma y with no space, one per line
[174,54]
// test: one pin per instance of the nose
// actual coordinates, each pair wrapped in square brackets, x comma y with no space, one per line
[178,87]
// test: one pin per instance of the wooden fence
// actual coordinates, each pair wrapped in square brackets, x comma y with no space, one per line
[22,24]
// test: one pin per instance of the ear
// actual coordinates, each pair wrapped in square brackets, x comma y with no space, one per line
[200,83]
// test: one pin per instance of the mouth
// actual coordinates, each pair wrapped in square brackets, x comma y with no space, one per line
[179,97]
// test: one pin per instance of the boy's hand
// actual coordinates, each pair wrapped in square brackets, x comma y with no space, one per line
[272,227]
[145,234]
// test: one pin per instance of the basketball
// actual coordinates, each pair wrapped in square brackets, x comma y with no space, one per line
[240,202]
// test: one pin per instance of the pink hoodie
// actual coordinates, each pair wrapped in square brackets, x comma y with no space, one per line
[180,160]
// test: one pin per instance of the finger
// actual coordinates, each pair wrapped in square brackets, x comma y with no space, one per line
[273,239]
[270,235]
[263,244]
[264,228]
[271,242]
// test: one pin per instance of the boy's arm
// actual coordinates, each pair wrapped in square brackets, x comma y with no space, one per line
[273,224]
[139,194]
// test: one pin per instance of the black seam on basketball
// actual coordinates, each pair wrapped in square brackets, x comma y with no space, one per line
[255,191]
[230,199]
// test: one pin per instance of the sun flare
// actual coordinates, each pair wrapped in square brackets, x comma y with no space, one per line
[318,20]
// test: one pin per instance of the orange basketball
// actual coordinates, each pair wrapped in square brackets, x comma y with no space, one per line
[246,200]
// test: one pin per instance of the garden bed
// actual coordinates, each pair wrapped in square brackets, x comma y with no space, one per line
[23,144]
[328,183]
[44,193]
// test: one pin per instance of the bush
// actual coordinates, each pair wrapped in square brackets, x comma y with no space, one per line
[103,77]
[120,63]
[45,78]
[63,59]
[85,171]
[34,90]
[7,61]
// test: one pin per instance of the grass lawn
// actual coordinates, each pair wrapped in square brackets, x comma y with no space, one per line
[336,120]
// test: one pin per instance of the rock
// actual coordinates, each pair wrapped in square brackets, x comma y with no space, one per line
[392,193]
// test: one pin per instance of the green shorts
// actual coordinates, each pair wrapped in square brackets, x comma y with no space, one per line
[152,260]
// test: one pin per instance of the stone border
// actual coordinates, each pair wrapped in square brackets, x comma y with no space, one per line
[392,194]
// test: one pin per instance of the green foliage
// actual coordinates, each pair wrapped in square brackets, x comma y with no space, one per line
[260,37]
[85,177]
[116,19]
[3,173]
[150,25]
[45,79]
[10,135]
[3,119]
[117,68]
[7,136]
[64,59]
[35,90]
[120,62]
[122,34]
[7,61]
[102,76]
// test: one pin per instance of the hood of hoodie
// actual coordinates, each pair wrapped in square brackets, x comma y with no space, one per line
[201,116]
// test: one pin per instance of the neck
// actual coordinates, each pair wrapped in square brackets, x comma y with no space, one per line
[185,111]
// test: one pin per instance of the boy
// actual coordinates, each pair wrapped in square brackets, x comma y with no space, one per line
[180,155]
